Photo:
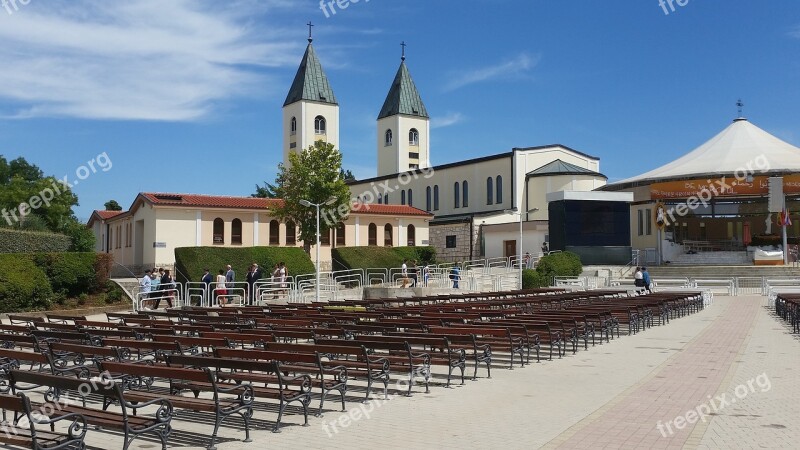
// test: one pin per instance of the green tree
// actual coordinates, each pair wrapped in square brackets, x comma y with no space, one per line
[347,175]
[312,175]
[82,237]
[112,205]
[266,191]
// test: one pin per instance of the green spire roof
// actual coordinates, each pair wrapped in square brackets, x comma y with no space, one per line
[310,82]
[403,97]
[559,167]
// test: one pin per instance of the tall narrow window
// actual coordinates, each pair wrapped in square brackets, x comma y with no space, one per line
[291,233]
[274,232]
[489,191]
[411,236]
[413,137]
[236,232]
[428,198]
[293,127]
[219,231]
[410,198]
[499,190]
[388,240]
[640,222]
[385,199]
[388,138]
[456,194]
[372,234]
[320,126]
[340,236]
[436,197]
[325,237]
[648,222]
[464,194]
[110,237]
[402,197]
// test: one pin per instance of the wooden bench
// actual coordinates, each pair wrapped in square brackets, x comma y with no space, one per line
[133,375]
[495,337]
[59,403]
[256,369]
[23,432]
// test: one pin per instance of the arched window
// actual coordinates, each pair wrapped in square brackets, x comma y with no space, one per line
[489,191]
[413,137]
[402,197]
[385,199]
[428,198]
[499,189]
[380,199]
[436,197]
[236,232]
[274,233]
[340,236]
[219,231]
[320,126]
[410,198]
[411,236]
[372,234]
[291,233]
[387,235]
[293,127]
[464,194]
[388,138]
[456,194]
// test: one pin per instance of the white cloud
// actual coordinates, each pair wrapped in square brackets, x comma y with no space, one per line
[508,69]
[140,60]
[447,120]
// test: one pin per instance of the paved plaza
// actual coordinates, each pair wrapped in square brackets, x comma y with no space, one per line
[725,377]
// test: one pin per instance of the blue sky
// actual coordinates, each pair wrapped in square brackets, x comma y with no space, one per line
[186,96]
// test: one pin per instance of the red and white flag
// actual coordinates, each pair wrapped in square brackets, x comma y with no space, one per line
[786,221]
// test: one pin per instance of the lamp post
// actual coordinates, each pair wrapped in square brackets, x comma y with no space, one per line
[308,204]
[516,211]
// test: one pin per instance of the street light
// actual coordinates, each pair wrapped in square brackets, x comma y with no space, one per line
[308,204]
[516,211]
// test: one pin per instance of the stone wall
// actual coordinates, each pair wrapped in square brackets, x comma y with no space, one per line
[463,233]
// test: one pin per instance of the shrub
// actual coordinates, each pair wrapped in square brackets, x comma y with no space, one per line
[533,279]
[345,258]
[190,261]
[563,264]
[15,241]
[69,273]
[114,293]
[23,285]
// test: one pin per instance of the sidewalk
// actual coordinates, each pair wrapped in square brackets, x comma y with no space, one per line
[611,396]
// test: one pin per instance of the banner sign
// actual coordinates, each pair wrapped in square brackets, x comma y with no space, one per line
[720,187]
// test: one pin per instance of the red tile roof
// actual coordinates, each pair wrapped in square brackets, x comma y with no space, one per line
[219,201]
[108,214]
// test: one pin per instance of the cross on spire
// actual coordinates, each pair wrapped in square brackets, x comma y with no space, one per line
[403,45]
[310,39]
[740,105]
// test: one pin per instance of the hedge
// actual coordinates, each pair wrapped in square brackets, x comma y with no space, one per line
[563,264]
[345,258]
[23,285]
[17,241]
[190,261]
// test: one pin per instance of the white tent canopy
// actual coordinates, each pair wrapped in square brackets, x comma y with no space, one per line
[737,147]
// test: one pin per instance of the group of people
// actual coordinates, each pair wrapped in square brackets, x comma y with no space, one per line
[157,284]
[641,280]
[409,273]
[226,282]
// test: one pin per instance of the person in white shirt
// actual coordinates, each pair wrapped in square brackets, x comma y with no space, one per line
[144,285]
[404,273]
[638,279]
[221,290]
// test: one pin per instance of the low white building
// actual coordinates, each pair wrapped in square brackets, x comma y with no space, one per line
[147,235]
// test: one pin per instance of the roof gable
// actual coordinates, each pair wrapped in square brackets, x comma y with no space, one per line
[559,167]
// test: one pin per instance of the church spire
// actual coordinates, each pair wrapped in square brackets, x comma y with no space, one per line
[310,82]
[403,97]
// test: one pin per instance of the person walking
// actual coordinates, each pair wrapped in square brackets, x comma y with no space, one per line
[145,283]
[230,279]
[221,291]
[426,273]
[638,279]
[167,290]
[207,279]
[527,260]
[455,275]
[646,280]
[250,292]
[404,273]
